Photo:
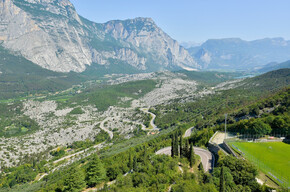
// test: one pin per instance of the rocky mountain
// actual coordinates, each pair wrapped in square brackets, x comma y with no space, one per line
[237,54]
[51,34]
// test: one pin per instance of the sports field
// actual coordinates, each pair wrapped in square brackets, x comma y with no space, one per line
[273,157]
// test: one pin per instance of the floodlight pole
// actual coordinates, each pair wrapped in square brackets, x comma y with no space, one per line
[226,126]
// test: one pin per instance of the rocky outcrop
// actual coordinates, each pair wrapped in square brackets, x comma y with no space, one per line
[147,37]
[44,35]
[51,34]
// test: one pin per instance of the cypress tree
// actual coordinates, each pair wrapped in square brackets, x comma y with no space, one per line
[186,149]
[172,146]
[180,146]
[176,144]
[222,180]
[191,156]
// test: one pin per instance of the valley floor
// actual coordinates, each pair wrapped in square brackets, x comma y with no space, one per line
[59,126]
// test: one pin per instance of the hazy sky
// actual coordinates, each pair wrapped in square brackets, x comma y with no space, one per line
[198,20]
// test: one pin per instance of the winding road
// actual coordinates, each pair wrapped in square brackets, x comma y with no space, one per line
[205,156]
[105,129]
[154,127]
[98,146]
[188,132]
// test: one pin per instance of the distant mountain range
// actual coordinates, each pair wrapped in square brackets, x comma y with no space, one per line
[237,54]
[52,35]
[274,66]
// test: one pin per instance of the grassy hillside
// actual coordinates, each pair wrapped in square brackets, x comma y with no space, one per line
[226,101]
[269,81]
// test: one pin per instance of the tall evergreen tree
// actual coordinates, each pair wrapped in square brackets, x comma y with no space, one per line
[172,145]
[191,156]
[75,181]
[222,180]
[176,144]
[96,172]
[135,163]
[180,146]
[186,149]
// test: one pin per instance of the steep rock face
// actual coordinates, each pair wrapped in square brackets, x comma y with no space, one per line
[51,34]
[43,34]
[147,37]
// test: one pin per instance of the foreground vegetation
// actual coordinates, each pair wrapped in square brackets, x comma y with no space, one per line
[145,171]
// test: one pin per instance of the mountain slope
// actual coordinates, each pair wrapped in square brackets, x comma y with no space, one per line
[52,35]
[20,77]
[274,66]
[237,54]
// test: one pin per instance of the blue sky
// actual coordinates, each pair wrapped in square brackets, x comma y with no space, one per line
[198,20]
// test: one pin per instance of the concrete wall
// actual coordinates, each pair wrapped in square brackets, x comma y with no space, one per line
[229,149]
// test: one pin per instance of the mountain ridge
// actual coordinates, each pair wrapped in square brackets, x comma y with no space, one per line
[52,35]
[238,54]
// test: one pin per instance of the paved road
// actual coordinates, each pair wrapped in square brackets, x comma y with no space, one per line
[42,176]
[154,127]
[205,155]
[188,132]
[105,129]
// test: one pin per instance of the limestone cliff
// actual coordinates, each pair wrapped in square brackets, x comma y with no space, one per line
[51,34]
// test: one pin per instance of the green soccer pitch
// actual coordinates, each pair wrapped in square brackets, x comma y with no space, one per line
[273,157]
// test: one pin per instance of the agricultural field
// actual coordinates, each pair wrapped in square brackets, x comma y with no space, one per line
[273,158]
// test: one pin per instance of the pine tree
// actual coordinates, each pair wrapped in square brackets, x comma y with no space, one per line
[222,181]
[96,172]
[180,146]
[191,156]
[75,181]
